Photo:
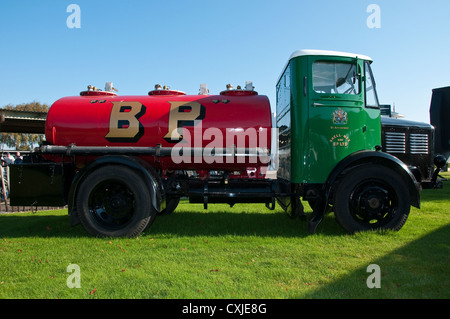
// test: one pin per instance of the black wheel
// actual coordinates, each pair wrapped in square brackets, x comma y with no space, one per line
[171,205]
[114,201]
[371,197]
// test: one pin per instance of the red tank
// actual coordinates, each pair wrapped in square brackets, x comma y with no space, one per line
[234,119]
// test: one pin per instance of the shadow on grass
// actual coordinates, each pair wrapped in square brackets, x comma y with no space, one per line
[239,224]
[184,223]
[192,221]
[418,270]
[41,224]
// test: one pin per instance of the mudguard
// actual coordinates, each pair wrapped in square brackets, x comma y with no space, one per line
[388,160]
[359,158]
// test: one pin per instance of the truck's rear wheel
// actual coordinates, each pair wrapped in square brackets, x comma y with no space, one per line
[371,197]
[114,201]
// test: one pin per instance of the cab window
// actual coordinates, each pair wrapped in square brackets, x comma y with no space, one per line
[371,93]
[335,78]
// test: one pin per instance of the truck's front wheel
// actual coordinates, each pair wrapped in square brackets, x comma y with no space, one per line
[371,197]
[114,201]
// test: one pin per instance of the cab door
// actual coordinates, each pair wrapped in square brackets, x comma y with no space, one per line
[338,119]
[372,109]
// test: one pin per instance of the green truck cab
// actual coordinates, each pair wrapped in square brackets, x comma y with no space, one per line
[329,130]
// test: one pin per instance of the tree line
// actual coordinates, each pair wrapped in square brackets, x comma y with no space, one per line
[23,141]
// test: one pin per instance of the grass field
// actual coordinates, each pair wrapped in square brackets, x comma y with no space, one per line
[242,252]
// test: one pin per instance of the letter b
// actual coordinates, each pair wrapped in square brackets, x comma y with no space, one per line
[124,124]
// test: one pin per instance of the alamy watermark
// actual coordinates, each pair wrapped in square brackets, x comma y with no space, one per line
[374,19]
[74,19]
[74,279]
[374,279]
[230,145]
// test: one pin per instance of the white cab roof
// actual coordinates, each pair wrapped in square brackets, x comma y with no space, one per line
[325,53]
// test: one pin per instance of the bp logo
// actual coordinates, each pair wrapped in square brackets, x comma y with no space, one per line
[340,117]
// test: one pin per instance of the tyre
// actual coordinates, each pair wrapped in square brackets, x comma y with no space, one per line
[171,205]
[114,201]
[371,197]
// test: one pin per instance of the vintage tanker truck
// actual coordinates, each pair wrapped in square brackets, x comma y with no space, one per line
[119,161]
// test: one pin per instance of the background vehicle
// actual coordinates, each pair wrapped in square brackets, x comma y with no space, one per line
[414,144]
[440,119]
[118,162]
[420,145]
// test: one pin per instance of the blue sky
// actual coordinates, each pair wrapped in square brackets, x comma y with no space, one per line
[136,44]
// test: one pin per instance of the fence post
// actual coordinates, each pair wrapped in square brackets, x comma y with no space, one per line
[2,172]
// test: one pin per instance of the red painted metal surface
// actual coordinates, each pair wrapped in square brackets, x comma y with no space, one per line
[145,121]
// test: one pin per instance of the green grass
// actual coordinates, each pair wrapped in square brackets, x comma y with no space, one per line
[242,252]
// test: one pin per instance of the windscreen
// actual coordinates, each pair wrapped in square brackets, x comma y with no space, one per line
[335,78]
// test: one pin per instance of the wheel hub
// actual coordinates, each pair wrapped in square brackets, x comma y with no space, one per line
[112,204]
[117,206]
[371,202]
[374,203]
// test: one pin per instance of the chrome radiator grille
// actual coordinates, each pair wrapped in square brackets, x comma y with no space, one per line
[412,143]
[395,142]
[418,143]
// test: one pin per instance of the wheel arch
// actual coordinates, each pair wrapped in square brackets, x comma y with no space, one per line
[148,173]
[373,157]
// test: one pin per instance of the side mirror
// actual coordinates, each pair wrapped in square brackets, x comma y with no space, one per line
[355,77]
